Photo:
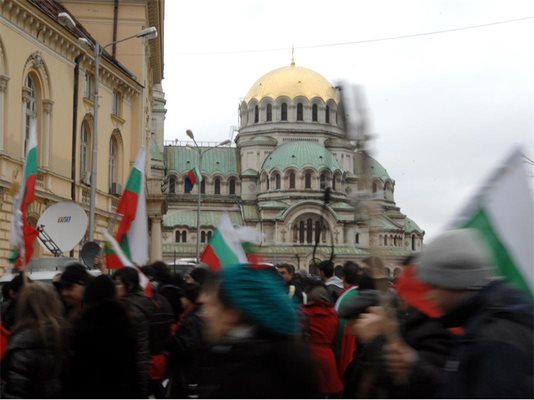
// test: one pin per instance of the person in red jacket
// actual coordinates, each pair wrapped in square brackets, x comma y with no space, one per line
[320,327]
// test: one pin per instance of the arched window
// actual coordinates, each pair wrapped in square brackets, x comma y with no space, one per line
[31,108]
[217,185]
[374,187]
[327,114]
[309,231]
[231,185]
[172,184]
[317,231]
[413,242]
[203,185]
[203,237]
[184,236]
[84,153]
[277,181]
[314,113]
[112,165]
[334,183]
[209,236]
[323,181]
[267,182]
[307,180]
[300,112]
[357,238]
[256,114]
[292,180]
[178,236]
[283,116]
[269,116]
[301,232]
[385,240]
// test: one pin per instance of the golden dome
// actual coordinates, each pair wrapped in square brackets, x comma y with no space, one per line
[292,81]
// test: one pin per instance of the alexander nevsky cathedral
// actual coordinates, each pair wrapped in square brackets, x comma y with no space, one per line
[291,145]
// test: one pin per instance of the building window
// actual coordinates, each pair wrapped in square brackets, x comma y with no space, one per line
[177,236]
[172,184]
[277,181]
[203,237]
[116,103]
[209,236]
[323,181]
[256,114]
[334,183]
[283,116]
[307,181]
[385,240]
[357,238]
[292,180]
[88,86]
[327,114]
[301,232]
[84,154]
[314,113]
[203,185]
[413,242]
[217,185]
[300,112]
[31,109]
[308,228]
[112,165]
[231,185]
[374,187]
[269,112]
[181,236]
[184,237]
[267,182]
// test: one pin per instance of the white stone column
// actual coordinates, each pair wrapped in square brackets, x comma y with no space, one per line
[3,89]
[155,239]
[47,120]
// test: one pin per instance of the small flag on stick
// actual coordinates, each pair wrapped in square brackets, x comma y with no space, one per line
[192,177]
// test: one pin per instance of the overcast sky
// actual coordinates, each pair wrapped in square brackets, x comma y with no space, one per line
[446,108]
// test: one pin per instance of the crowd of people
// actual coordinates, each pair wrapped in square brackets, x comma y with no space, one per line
[445,328]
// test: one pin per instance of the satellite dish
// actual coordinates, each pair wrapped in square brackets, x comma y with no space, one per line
[65,223]
[89,252]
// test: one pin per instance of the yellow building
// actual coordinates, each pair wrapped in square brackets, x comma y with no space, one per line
[47,74]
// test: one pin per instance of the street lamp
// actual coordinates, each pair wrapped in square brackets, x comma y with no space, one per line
[200,155]
[149,33]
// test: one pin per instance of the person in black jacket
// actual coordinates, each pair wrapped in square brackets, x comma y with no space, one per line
[102,362]
[36,353]
[253,329]
[495,356]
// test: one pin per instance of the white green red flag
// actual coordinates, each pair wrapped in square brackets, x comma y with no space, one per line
[224,248]
[23,235]
[111,247]
[193,176]
[132,234]
[503,212]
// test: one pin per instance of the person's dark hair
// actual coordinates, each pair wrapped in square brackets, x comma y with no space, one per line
[100,290]
[17,282]
[191,292]
[5,292]
[149,272]
[366,282]
[351,273]
[199,275]
[327,267]
[162,273]
[288,267]
[129,278]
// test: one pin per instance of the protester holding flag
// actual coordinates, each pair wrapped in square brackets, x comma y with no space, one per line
[495,357]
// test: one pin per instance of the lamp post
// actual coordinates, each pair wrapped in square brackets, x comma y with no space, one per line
[149,33]
[200,156]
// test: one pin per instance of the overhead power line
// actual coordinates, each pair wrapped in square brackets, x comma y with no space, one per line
[315,46]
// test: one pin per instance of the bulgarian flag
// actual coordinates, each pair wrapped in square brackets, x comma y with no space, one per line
[132,234]
[224,248]
[192,178]
[503,212]
[112,247]
[23,235]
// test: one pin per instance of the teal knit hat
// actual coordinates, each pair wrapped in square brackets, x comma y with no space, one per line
[261,296]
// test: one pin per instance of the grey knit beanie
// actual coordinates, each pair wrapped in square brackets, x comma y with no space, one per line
[456,259]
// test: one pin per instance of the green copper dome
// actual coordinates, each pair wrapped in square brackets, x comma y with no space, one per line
[301,154]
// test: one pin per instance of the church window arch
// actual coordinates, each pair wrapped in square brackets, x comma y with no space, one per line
[322,180]
[31,100]
[374,187]
[292,180]
[283,112]
[269,116]
[209,236]
[300,112]
[413,242]
[385,240]
[277,181]
[357,238]
[327,114]
[267,182]
[172,184]
[307,180]
[314,113]
[113,164]
[256,114]
[307,228]
[203,185]
[203,236]
[217,185]
[85,146]
[231,186]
